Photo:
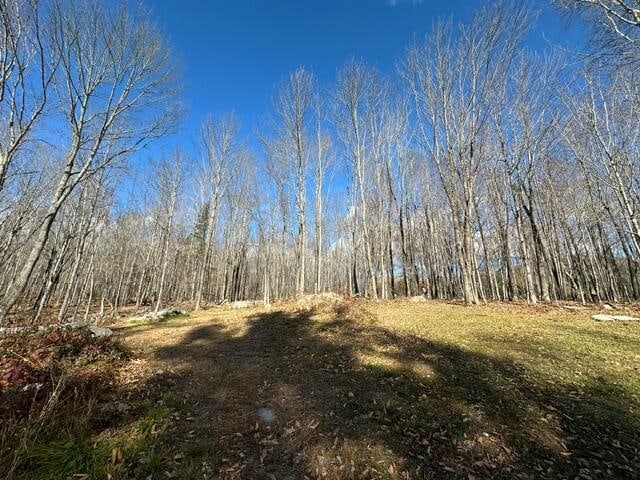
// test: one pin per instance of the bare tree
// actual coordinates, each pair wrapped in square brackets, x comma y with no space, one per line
[615,29]
[524,122]
[168,181]
[604,135]
[219,151]
[27,67]
[115,87]
[355,96]
[290,152]
[454,80]
[322,163]
[484,171]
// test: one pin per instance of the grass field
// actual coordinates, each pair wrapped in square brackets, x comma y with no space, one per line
[358,389]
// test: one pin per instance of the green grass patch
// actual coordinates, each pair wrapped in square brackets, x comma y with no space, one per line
[129,451]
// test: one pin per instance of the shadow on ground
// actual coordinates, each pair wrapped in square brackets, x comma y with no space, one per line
[353,400]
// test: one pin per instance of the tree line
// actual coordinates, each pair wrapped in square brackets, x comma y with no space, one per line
[479,169]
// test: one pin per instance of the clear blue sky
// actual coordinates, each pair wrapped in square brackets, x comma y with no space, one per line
[235,51]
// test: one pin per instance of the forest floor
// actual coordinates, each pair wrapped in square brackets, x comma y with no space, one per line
[357,389]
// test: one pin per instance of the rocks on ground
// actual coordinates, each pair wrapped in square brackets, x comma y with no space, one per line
[601,317]
[418,299]
[242,304]
[99,331]
[161,314]
[95,330]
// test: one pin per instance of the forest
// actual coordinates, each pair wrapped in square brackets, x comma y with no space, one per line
[479,170]
[424,272]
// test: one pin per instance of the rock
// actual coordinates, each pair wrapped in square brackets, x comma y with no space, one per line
[418,299]
[99,331]
[161,314]
[75,324]
[169,312]
[242,304]
[608,306]
[613,318]
[94,329]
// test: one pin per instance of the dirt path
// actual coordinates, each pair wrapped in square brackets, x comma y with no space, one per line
[286,394]
[264,392]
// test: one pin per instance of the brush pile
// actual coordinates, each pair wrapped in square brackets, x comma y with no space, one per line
[32,364]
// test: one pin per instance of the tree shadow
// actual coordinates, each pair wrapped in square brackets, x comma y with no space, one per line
[353,400]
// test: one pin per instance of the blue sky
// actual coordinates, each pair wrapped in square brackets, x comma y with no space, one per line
[234,51]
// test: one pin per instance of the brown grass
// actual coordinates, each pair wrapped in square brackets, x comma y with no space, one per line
[399,390]
[358,389]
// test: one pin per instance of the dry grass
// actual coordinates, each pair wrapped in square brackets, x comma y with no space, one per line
[554,343]
[74,405]
[401,390]
[393,390]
